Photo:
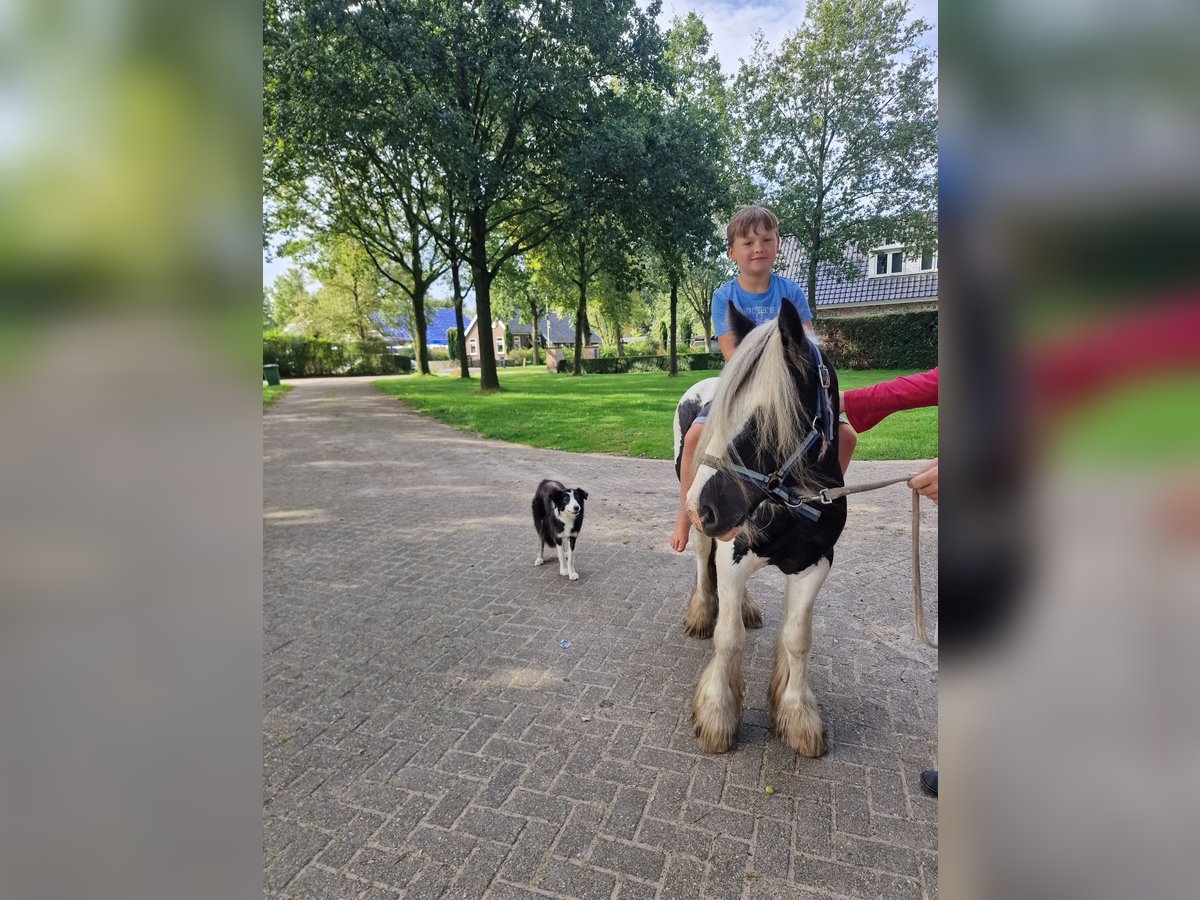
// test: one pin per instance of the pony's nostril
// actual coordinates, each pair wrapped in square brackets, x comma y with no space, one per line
[708,515]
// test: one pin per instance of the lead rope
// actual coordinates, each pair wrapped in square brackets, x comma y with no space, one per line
[918,604]
[831,494]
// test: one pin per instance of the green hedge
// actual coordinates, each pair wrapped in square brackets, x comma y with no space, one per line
[903,340]
[300,357]
[691,362]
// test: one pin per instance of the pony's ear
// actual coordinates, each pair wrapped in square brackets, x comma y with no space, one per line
[582,493]
[791,329]
[738,323]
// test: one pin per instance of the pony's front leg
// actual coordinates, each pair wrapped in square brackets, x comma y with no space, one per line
[794,713]
[701,616]
[717,698]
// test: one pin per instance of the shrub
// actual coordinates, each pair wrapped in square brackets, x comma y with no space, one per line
[692,362]
[298,357]
[901,340]
[641,346]
[452,342]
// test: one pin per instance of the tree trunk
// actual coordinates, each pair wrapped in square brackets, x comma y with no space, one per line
[419,289]
[579,317]
[674,369]
[488,380]
[581,313]
[533,330]
[812,274]
[419,325]
[461,336]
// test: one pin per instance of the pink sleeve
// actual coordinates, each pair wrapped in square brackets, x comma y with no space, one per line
[867,407]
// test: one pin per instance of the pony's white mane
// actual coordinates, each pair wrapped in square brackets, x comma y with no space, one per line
[757,383]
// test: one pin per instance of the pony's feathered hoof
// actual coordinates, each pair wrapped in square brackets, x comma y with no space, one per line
[701,616]
[717,710]
[751,614]
[801,729]
[796,721]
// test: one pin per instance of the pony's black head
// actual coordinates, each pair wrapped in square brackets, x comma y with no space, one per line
[756,419]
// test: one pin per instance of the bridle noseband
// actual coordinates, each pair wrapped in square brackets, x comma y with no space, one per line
[773,484]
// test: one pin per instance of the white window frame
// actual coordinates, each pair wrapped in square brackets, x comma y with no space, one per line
[473,347]
[910,265]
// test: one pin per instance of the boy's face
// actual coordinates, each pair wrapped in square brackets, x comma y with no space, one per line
[755,252]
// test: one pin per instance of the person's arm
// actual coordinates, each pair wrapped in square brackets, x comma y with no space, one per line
[868,406]
[728,343]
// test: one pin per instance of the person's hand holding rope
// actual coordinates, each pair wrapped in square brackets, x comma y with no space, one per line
[925,482]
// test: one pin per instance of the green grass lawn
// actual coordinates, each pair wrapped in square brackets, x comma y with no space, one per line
[626,415]
[272,392]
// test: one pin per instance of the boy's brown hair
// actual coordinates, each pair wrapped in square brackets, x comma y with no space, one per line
[747,219]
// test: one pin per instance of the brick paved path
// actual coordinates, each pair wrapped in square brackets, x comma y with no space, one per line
[425,735]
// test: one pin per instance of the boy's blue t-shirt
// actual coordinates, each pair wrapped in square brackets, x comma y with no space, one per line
[758,308]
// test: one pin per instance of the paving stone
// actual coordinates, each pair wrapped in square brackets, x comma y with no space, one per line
[494,826]
[573,880]
[630,859]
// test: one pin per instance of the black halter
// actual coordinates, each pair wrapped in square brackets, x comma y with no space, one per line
[821,429]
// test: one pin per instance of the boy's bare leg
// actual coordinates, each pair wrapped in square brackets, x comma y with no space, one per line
[683,525]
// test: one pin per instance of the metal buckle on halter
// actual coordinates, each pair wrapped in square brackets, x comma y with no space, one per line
[823,372]
[823,496]
[772,482]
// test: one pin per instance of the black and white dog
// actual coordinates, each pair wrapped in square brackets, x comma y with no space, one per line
[558,517]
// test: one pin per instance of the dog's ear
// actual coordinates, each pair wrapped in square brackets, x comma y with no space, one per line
[791,329]
[738,323]
[582,493]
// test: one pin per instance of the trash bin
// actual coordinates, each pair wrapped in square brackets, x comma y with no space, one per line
[271,374]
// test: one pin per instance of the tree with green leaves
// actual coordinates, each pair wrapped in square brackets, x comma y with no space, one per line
[516,294]
[353,290]
[841,125]
[340,158]
[289,297]
[268,313]
[687,158]
[701,277]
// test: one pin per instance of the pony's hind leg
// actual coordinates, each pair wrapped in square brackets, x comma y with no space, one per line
[794,713]
[701,616]
[717,698]
[541,552]
[751,614]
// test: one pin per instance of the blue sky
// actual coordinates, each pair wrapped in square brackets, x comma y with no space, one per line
[732,24]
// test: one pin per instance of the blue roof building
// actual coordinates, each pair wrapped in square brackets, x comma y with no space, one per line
[437,322]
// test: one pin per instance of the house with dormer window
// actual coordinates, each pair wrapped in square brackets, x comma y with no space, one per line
[888,278]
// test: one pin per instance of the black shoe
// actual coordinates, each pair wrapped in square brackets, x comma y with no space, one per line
[929,781]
